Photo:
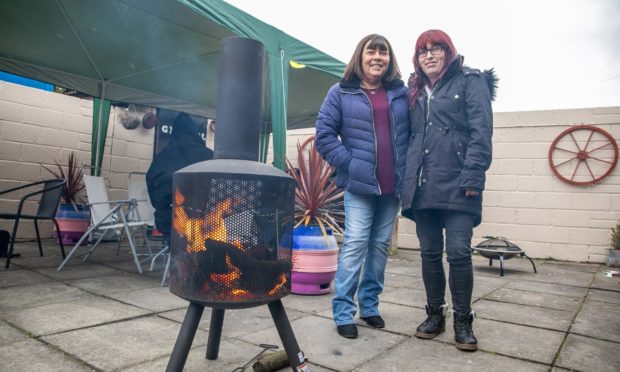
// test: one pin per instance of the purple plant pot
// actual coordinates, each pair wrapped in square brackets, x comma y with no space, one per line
[312,283]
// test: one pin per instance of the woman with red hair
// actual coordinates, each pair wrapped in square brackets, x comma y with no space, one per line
[449,153]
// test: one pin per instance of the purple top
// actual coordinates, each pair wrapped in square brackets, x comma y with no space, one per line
[385,153]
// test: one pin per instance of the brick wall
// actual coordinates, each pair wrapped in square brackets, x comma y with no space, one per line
[39,127]
[525,202]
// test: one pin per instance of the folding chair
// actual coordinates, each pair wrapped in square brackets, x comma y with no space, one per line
[138,191]
[106,216]
[50,194]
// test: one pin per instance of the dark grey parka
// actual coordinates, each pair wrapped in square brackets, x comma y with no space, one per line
[450,145]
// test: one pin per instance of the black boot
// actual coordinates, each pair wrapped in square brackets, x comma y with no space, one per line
[463,332]
[435,322]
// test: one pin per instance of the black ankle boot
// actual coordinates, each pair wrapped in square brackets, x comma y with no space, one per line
[463,332]
[435,322]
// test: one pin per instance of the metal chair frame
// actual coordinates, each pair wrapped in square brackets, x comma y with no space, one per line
[115,211]
[48,204]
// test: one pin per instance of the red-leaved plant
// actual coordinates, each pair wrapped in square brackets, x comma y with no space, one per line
[73,179]
[318,200]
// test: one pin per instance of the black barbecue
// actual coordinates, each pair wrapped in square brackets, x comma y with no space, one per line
[497,248]
[233,216]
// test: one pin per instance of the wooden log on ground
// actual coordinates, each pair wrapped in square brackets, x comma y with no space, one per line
[270,362]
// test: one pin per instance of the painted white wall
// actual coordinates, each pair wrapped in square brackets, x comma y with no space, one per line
[524,201]
[39,127]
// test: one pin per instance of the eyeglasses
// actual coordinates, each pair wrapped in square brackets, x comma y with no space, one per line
[435,50]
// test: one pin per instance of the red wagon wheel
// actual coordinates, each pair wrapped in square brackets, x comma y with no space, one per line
[583,155]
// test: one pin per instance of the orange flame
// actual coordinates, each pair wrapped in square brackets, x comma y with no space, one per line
[227,279]
[197,230]
[279,286]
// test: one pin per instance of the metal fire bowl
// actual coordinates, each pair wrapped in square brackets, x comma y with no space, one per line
[495,252]
[495,247]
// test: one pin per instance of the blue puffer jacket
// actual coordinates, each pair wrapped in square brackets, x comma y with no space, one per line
[450,148]
[346,113]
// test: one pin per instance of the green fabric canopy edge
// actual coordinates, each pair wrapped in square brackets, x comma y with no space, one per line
[281,49]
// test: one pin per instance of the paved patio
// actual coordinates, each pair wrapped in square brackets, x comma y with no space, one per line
[102,315]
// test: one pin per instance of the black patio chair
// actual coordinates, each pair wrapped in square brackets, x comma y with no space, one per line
[50,194]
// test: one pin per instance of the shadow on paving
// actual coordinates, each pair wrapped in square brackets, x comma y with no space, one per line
[102,315]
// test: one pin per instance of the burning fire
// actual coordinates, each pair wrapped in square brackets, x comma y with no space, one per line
[195,230]
[279,286]
[211,226]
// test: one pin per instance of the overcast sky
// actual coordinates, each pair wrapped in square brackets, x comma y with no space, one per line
[549,54]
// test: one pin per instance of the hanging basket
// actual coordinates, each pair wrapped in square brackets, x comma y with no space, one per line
[149,120]
[131,121]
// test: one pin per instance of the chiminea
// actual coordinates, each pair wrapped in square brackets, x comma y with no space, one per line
[233,217]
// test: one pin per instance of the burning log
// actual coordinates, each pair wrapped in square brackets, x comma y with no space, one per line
[257,276]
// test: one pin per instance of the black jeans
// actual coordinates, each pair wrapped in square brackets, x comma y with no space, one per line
[458,232]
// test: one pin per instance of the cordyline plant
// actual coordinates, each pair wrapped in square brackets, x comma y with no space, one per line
[73,179]
[318,200]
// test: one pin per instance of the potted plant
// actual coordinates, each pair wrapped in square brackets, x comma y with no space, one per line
[318,214]
[72,215]
[613,255]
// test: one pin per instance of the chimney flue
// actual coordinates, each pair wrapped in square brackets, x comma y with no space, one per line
[239,98]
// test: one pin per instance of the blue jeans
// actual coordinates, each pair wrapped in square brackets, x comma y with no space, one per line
[369,221]
[458,231]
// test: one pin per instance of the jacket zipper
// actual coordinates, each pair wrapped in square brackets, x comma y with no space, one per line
[428,115]
[372,115]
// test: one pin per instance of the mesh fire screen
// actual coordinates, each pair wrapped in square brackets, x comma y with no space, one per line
[231,238]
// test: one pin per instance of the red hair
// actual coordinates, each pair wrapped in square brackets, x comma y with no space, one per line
[432,37]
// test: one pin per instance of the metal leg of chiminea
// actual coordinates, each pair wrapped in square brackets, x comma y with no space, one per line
[215,333]
[294,354]
[186,337]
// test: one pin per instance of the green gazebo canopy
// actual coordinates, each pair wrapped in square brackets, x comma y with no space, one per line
[160,53]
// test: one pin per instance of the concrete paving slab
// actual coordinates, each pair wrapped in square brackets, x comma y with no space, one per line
[23,297]
[545,300]
[401,280]
[529,343]
[122,344]
[604,296]
[588,354]
[539,317]
[405,296]
[321,344]
[35,356]
[32,261]
[604,282]
[114,283]
[10,335]
[72,272]
[129,266]
[308,304]
[402,266]
[156,299]
[402,306]
[16,277]
[88,311]
[233,353]
[599,320]
[556,289]
[571,266]
[237,322]
[561,276]
[398,318]
[509,272]
[484,286]
[427,355]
